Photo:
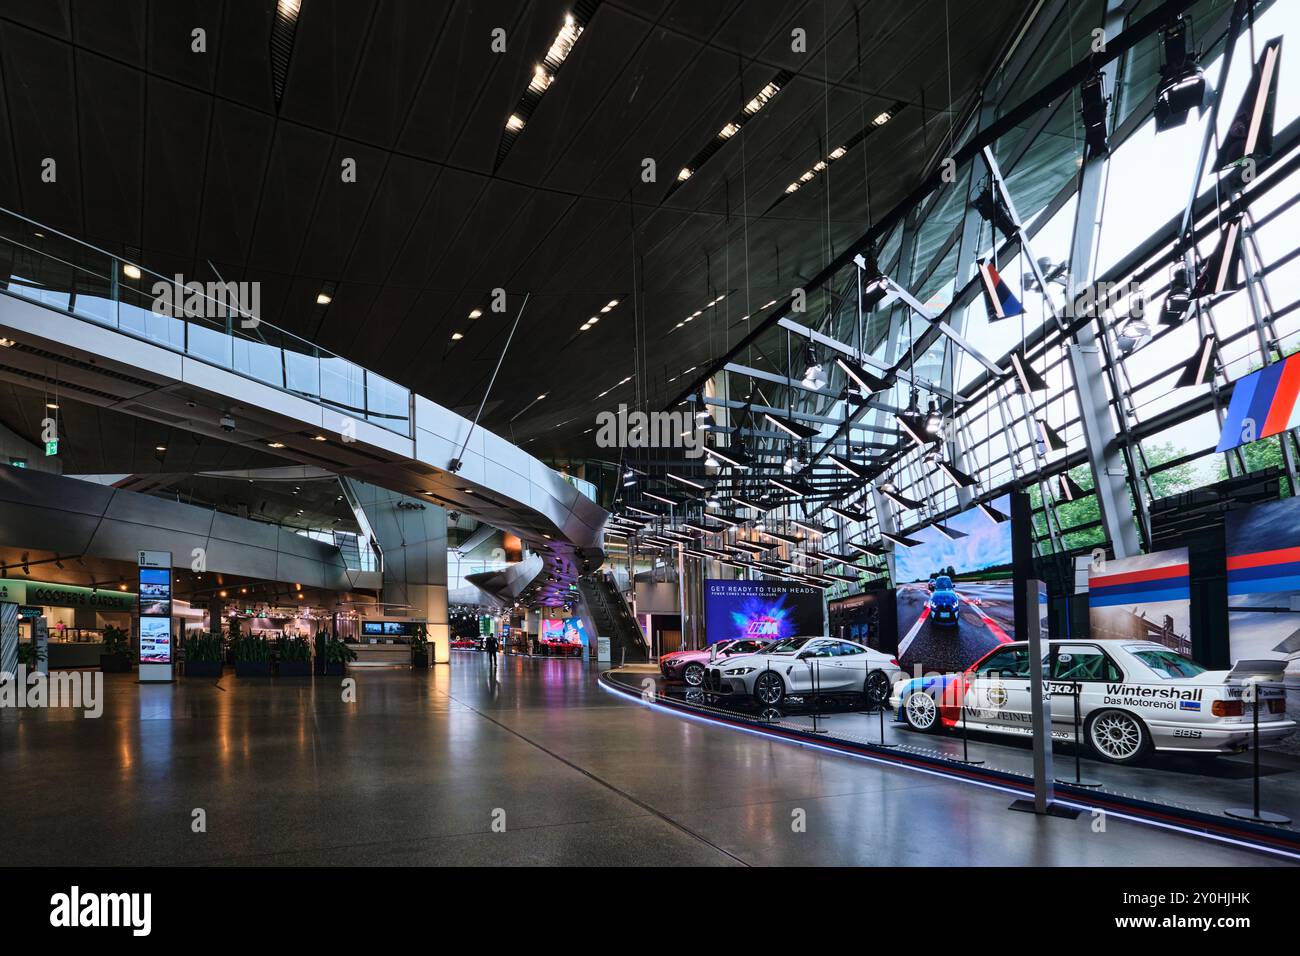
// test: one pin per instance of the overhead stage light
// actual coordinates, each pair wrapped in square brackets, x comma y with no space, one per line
[814,377]
[1199,369]
[1095,110]
[1179,299]
[992,208]
[1182,82]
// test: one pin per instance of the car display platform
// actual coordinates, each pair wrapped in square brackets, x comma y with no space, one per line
[1182,791]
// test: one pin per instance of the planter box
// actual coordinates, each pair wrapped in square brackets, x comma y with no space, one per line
[252,668]
[294,669]
[204,668]
[420,658]
[115,663]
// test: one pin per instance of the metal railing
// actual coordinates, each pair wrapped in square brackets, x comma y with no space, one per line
[210,321]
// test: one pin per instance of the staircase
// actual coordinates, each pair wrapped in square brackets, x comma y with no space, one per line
[604,604]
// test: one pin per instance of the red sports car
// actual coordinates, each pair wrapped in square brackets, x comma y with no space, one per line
[689,666]
[466,643]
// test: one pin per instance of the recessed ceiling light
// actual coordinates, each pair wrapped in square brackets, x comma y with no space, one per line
[319,438]
[475,313]
[159,447]
[541,79]
[684,174]
[542,396]
[456,336]
[515,122]
[7,343]
[882,119]
[275,444]
[323,298]
[53,405]
[130,271]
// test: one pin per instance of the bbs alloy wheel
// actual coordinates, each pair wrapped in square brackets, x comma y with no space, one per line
[693,674]
[769,688]
[1116,736]
[921,712]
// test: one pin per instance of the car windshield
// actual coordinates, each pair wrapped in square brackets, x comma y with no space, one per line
[789,645]
[1169,664]
[943,583]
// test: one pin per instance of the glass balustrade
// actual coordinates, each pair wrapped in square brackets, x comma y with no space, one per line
[61,273]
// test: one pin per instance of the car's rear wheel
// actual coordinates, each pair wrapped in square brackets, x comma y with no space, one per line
[876,689]
[1117,737]
[693,674]
[921,712]
[769,688]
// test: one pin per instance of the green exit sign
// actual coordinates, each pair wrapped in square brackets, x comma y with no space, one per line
[51,448]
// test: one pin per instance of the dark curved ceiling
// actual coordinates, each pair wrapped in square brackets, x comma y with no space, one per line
[181,158]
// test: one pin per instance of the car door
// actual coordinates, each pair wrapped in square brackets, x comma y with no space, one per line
[998,693]
[852,662]
[1086,667]
[815,669]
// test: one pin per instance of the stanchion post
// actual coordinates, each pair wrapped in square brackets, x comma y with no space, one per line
[965,743]
[1255,814]
[1076,690]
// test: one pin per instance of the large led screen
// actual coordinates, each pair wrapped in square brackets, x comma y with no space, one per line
[768,609]
[1263,546]
[1143,598]
[954,591]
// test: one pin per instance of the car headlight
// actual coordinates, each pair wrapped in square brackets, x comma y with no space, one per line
[740,671]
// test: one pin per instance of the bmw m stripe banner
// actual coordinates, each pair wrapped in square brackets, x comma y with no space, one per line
[998,298]
[1143,598]
[1263,404]
[1170,583]
[1263,564]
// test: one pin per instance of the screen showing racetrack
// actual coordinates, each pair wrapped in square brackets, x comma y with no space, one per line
[769,609]
[954,591]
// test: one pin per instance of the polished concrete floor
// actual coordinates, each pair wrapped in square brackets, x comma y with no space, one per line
[533,765]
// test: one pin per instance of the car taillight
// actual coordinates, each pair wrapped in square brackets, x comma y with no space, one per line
[1277,706]
[1227,708]
[894,662]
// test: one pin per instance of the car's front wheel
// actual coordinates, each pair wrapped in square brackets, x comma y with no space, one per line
[921,712]
[876,689]
[1117,736]
[769,688]
[693,674]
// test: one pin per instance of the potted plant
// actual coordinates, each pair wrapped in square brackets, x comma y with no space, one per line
[294,655]
[420,645]
[116,658]
[203,655]
[252,657]
[232,637]
[30,655]
[337,657]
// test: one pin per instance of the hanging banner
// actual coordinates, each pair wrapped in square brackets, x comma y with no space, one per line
[1143,598]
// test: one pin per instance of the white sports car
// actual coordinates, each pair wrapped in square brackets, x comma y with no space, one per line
[1133,696]
[801,666]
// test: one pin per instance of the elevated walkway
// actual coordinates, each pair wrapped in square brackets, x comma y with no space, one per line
[75,316]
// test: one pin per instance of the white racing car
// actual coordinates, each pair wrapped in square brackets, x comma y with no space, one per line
[802,666]
[1133,696]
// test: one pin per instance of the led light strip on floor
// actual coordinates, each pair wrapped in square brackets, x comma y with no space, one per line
[1265,839]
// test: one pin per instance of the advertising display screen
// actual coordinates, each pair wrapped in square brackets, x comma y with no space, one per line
[1144,598]
[1264,582]
[156,592]
[955,595]
[386,628]
[552,629]
[768,609]
[575,632]
[155,640]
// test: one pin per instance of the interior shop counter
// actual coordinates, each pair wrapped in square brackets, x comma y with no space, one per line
[368,654]
[60,655]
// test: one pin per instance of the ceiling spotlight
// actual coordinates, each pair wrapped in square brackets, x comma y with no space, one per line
[457,336]
[515,123]
[683,174]
[1182,82]
[130,270]
[1132,333]
[882,118]
[1179,299]
[993,209]
[53,406]
[323,298]
[814,376]
[934,420]
[791,465]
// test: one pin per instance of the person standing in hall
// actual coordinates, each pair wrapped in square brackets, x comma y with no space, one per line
[490,645]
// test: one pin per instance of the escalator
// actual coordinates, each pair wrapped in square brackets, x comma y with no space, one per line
[609,614]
